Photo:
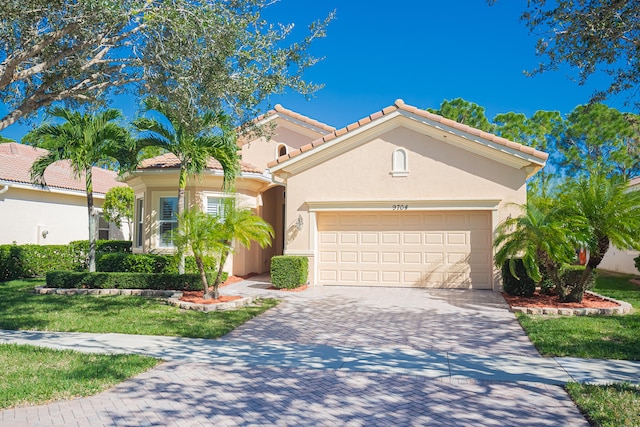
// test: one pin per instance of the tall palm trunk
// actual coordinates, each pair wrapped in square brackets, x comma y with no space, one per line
[182,185]
[92,221]
[203,276]
[223,259]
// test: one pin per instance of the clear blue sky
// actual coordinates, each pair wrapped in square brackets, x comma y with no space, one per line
[423,52]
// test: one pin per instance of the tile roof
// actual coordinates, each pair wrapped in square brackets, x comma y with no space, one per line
[170,161]
[279,109]
[399,105]
[15,166]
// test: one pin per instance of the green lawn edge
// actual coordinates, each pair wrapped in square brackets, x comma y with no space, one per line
[35,375]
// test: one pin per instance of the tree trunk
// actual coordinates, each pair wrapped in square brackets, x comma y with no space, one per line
[223,259]
[182,184]
[203,276]
[92,222]
[575,293]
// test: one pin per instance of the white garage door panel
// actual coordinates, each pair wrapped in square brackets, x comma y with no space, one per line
[425,249]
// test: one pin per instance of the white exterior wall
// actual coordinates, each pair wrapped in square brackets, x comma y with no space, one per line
[33,216]
[620,261]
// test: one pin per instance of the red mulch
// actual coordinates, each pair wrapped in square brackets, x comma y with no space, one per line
[196,296]
[552,301]
[298,289]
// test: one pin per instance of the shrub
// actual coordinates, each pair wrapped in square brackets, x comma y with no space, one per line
[143,263]
[522,285]
[133,263]
[637,261]
[104,280]
[569,291]
[80,248]
[288,272]
[18,261]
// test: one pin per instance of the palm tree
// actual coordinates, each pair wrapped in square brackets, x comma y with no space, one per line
[611,211]
[211,237]
[198,234]
[206,136]
[85,140]
[543,236]
[242,226]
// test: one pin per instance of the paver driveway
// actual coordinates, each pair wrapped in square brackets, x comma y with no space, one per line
[367,387]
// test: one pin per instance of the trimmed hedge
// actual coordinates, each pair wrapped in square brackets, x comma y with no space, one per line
[102,280]
[19,261]
[523,285]
[142,263]
[289,272]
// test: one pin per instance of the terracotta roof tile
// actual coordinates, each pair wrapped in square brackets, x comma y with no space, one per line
[170,161]
[279,109]
[15,166]
[399,104]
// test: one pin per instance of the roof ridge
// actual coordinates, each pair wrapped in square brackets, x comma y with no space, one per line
[399,104]
[278,108]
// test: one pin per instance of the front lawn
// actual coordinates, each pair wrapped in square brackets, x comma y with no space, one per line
[20,309]
[608,406]
[593,337]
[34,375]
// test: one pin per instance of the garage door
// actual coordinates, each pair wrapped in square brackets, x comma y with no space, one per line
[421,249]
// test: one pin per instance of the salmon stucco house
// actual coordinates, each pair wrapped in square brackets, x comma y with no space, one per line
[402,197]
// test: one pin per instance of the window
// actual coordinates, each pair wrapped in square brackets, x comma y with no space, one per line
[139,222]
[167,220]
[282,150]
[103,228]
[400,163]
[215,206]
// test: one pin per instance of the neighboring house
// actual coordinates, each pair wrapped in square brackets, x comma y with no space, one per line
[53,215]
[622,260]
[402,197]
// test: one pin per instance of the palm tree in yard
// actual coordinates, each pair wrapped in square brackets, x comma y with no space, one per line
[85,140]
[542,236]
[212,236]
[194,143]
[242,226]
[611,211]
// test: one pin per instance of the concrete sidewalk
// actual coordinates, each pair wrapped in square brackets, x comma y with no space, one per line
[428,364]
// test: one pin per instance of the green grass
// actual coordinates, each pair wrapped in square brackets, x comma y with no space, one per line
[20,309]
[608,406]
[33,375]
[594,337]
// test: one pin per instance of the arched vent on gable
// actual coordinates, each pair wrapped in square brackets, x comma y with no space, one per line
[281,151]
[400,163]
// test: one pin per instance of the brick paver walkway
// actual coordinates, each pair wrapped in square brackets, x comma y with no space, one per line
[203,393]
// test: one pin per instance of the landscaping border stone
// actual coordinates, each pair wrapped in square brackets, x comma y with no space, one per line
[623,308]
[172,297]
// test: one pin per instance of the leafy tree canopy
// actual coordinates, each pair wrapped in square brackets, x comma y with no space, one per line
[118,206]
[590,37]
[208,55]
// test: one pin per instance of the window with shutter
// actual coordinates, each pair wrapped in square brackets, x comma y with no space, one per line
[167,220]
[215,206]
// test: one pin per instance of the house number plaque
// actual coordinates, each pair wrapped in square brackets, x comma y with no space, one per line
[400,207]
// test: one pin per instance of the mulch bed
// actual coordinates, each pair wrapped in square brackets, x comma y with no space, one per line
[196,296]
[551,301]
